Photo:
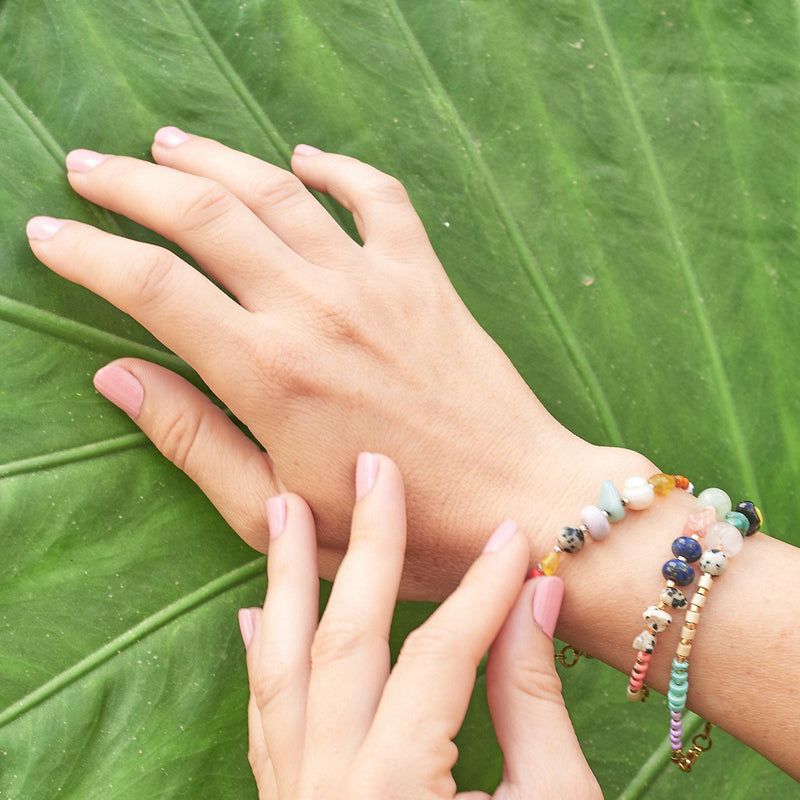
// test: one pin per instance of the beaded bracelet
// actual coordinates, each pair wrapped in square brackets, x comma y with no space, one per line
[723,540]
[721,527]
[637,494]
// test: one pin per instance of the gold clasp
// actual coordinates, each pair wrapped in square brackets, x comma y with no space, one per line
[569,656]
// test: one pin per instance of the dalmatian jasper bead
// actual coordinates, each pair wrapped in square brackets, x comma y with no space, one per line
[645,642]
[713,562]
[657,619]
[570,540]
[672,596]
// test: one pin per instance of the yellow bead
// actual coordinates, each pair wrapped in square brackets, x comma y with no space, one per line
[550,562]
[661,483]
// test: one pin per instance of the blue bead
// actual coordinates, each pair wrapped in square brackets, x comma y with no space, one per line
[678,571]
[688,548]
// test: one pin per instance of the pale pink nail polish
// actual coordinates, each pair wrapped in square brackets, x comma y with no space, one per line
[505,531]
[170,136]
[246,626]
[366,474]
[84,160]
[306,150]
[547,603]
[41,228]
[121,387]
[276,515]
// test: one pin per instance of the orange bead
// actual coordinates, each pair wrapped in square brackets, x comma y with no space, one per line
[550,562]
[681,482]
[661,483]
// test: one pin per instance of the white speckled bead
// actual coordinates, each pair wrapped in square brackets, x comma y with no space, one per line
[645,642]
[570,540]
[713,562]
[638,493]
[673,596]
[717,499]
[656,618]
[724,536]
[596,522]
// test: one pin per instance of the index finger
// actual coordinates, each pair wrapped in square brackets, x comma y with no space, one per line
[430,687]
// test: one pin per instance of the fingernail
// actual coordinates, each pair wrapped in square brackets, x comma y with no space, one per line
[306,150]
[547,603]
[276,515]
[41,228]
[121,387]
[505,531]
[246,626]
[366,474]
[170,136]
[84,160]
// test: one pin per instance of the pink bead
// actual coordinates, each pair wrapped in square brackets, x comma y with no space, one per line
[724,536]
[596,522]
[699,520]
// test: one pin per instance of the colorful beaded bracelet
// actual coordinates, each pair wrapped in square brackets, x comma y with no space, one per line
[723,540]
[637,494]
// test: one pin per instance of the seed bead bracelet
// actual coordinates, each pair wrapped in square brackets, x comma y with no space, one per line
[723,540]
[637,494]
[714,510]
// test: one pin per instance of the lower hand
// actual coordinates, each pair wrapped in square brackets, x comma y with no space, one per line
[329,717]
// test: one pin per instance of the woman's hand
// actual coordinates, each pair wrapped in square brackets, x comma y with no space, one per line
[329,348]
[329,719]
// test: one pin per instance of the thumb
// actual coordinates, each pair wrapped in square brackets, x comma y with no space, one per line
[541,751]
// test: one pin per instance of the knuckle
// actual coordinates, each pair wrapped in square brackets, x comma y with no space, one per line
[179,438]
[272,680]
[283,189]
[337,640]
[153,279]
[387,190]
[205,205]
[282,367]
[428,643]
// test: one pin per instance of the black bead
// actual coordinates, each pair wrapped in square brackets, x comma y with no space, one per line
[748,508]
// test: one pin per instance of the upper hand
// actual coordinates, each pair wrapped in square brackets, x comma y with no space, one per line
[325,348]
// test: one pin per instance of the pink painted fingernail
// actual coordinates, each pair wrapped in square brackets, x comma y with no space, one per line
[547,603]
[505,531]
[84,160]
[41,228]
[366,474]
[306,150]
[276,515]
[121,387]
[170,136]
[246,626]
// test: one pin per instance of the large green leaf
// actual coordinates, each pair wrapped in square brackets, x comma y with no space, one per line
[613,189]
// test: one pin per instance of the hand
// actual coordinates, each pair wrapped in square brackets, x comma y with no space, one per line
[328,718]
[329,348]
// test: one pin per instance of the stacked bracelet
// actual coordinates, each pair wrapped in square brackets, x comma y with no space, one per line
[637,494]
[723,540]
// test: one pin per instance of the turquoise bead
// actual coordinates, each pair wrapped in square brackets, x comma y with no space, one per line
[611,502]
[738,520]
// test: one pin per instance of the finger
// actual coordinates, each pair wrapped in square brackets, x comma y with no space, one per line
[278,658]
[382,211]
[257,753]
[276,196]
[199,438]
[225,238]
[350,656]
[430,687]
[177,304]
[542,754]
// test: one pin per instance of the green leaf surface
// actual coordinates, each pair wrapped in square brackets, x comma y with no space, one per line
[613,189]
